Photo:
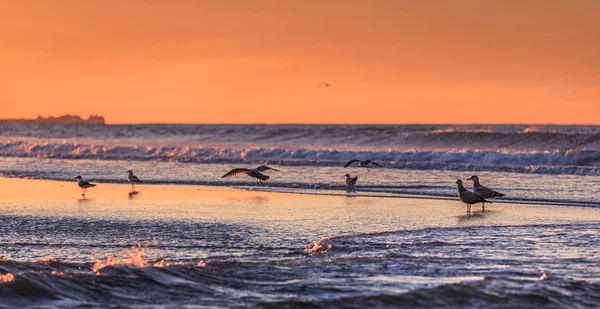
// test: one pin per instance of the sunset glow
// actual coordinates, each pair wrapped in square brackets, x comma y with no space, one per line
[262,61]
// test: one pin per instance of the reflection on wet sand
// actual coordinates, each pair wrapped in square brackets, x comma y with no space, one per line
[471,217]
[133,194]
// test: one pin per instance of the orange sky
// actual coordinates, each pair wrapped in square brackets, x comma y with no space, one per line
[389,61]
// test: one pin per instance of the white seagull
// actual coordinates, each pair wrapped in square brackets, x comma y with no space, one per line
[256,173]
[84,184]
[368,164]
[483,191]
[468,197]
[351,181]
[133,179]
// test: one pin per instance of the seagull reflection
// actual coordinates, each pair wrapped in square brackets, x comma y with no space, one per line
[470,217]
[85,200]
[133,194]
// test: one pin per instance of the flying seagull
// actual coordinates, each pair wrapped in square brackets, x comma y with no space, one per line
[368,164]
[483,191]
[468,197]
[84,184]
[256,173]
[324,85]
[133,179]
[351,181]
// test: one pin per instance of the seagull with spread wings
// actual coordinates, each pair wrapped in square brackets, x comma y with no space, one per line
[256,173]
[368,164]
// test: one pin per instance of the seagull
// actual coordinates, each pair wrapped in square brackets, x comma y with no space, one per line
[351,181]
[468,197]
[483,191]
[84,184]
[256,173]
[133,179]
[324,85]
[368,164]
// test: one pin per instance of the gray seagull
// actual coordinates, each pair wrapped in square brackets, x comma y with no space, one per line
[368,164]
[256,173]
[83,184]
[133,179]
[468,197]
[351,181]
[483,191]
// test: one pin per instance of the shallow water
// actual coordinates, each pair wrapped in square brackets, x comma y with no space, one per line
[519,187]
[217,247]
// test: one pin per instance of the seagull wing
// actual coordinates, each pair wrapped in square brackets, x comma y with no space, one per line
[487,192]
[235,172]
[351,162]
[88,181]
[263,168]
[135,179]
[472,198]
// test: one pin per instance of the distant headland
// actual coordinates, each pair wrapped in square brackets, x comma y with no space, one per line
[65,119]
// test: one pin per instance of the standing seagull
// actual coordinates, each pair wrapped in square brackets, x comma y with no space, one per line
[351,181]
[133,179]
[84,184]
[483,191]
[368,164]
[256,173]
[468,197]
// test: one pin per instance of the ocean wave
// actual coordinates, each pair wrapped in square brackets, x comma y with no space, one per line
[487,293]
[473,266]
[572,161]
[343,137]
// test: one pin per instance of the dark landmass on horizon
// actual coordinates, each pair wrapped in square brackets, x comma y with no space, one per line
[64,119]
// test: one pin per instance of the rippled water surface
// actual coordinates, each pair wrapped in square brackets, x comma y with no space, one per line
[175,246]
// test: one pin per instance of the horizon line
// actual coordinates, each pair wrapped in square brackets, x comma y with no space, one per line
[355,124]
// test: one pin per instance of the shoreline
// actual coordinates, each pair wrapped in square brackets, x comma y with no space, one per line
[338,191]
[58,198]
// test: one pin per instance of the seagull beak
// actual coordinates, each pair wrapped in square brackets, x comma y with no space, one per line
[470,178]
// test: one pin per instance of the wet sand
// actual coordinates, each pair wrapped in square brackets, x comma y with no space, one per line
[315,213]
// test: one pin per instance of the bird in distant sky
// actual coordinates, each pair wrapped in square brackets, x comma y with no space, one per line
[324,85]
[83,184]
[256,173]
[133,179]
[368,164]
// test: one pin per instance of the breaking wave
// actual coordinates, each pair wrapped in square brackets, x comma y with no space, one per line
[572,161]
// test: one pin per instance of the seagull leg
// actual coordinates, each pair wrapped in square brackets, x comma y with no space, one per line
[483,207]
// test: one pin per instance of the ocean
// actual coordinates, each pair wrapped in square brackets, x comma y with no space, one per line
[400,239]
